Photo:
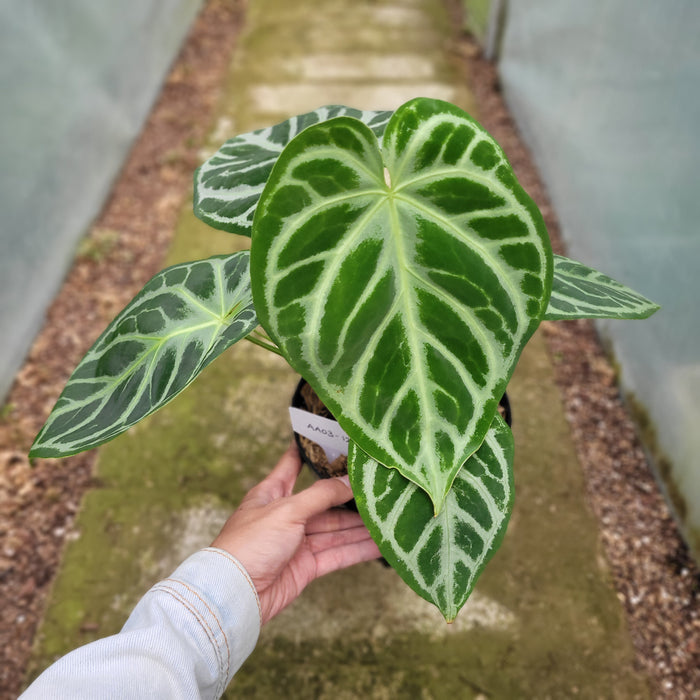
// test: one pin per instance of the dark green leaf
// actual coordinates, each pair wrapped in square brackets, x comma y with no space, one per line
[404,301]
[228,185]
[185,317]
[439,557]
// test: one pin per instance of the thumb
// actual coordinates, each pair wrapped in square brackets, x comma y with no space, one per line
[319,497]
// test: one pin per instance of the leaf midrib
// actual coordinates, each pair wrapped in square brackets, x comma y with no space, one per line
[409,312]
[155,344]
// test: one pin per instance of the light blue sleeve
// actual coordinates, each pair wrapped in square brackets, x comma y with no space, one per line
[185,639]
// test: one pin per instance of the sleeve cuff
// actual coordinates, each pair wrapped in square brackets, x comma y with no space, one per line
[219,593]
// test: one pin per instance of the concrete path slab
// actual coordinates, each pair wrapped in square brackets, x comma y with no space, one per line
[544,621]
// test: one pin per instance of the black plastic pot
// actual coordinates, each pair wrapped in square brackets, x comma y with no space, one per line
[504,404]
[299,401]
[319,466]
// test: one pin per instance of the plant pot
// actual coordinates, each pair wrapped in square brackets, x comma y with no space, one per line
[314,455]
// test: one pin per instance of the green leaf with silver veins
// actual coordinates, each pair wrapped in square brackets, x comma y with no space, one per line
[404,300]
[440,557]
[228,185]
[581,292]
[184,318]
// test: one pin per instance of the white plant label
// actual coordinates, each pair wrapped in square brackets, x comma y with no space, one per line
[323,431]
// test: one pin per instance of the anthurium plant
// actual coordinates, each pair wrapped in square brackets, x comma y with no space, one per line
[398,265]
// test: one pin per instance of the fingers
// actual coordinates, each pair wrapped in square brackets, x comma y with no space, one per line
[331,520]
[280,482]
[341,557]
[287,469]
[319,497]
[327,540]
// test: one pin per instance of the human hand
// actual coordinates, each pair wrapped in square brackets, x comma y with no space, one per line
[287,540]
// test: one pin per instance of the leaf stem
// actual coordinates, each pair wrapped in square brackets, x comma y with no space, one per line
[263,342]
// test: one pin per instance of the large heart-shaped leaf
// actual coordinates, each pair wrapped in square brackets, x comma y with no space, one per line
[184,317]
[581,292]
[439,557]
[228,185]
[404,301]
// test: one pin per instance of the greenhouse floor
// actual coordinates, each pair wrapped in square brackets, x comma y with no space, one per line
[545,620]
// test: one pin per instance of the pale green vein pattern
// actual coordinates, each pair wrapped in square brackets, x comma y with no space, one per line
[404,299]
[440,557]
[184,318]
[581,292]
[228,185]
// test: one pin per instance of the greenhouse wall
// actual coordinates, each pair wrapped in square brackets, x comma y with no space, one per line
[606,96]
[77,80]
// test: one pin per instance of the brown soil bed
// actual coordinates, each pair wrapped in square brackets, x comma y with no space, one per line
[657,582]
[124,248]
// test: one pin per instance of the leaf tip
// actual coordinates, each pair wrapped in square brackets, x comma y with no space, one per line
[36,452]
[35,449]
[654,308]
[39,451]
[437,504]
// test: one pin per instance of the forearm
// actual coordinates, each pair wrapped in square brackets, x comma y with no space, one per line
[185,639]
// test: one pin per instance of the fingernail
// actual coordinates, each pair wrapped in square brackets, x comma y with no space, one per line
[345,479]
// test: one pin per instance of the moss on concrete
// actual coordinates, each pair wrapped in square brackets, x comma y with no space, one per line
[477,14]
[544,621]
[273,72]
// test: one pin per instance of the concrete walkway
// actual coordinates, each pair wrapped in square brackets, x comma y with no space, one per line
[544,621]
